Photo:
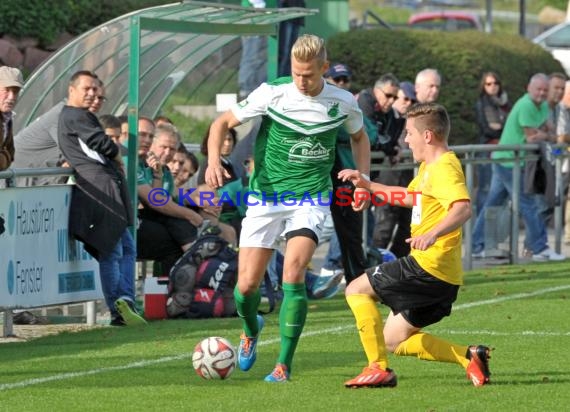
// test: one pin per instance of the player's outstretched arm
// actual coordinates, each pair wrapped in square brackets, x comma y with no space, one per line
[394,195]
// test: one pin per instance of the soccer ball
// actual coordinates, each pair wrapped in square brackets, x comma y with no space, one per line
[214,358]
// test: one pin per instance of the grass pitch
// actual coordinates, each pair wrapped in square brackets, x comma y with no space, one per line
[520,311]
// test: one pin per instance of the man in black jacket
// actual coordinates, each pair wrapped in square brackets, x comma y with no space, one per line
[101,210]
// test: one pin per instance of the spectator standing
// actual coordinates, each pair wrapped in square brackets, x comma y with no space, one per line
[345,254]
[100,211]
[426,90]
[526,123]
[288,33]
[491,111]
[406,98]
[392,227]
[563,136]
[253,64]
[376,105]
[11,82]
[556,84]
[99,98]
[428,85]
[37,146]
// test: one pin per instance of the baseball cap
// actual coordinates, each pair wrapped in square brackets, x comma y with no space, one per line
[409,91]
[11,77]
[338,70]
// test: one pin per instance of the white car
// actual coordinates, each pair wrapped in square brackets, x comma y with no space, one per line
[557,41]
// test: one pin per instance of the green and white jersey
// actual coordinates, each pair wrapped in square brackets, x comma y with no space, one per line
[295,145]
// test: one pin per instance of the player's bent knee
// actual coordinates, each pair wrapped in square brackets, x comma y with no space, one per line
[247,286]
[391,345]
[359,286]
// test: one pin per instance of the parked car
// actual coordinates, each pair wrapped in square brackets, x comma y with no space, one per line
[445,20]
[557,41]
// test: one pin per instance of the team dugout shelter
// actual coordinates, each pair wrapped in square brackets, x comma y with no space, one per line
[143,56]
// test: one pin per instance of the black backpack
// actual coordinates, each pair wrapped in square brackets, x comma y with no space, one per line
[202,281]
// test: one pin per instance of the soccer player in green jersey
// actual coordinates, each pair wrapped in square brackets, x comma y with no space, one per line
[290,187]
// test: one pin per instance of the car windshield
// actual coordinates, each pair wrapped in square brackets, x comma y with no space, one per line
[444,24]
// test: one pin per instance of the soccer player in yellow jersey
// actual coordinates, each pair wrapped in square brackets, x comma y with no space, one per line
[419,288]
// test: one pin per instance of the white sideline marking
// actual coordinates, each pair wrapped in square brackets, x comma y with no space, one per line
[141,364]
[511,297]
[495,333]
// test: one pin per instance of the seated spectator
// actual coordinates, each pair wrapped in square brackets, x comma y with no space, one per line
[159,120]
[166,229]
[183,166]
[124,130]
[230,141]
[176,166]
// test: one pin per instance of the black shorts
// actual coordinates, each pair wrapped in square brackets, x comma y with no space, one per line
[157,228]
[406,288]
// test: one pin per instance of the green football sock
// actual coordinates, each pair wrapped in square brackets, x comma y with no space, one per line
[292,317]
[247,310]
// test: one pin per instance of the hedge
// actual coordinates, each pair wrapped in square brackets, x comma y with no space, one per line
[46,20]
[460,57]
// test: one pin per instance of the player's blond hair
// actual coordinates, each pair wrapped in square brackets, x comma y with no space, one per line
[309,47]
[432,117]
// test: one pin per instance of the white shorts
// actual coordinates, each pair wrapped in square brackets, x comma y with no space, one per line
[265,225]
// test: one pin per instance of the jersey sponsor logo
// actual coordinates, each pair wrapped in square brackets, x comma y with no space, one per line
[308,151]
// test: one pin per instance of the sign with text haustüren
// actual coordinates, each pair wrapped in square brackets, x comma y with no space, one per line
[41,264]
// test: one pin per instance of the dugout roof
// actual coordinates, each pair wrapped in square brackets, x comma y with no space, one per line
[143,56]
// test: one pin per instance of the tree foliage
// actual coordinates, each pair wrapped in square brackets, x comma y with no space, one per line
[46,20]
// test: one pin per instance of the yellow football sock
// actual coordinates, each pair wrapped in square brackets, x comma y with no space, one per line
[428,347]
[369,324]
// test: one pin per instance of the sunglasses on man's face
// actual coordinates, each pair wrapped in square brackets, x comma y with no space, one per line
[341,79]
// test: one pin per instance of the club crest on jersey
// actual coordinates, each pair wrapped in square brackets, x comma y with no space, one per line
[242,104]
[333,110]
